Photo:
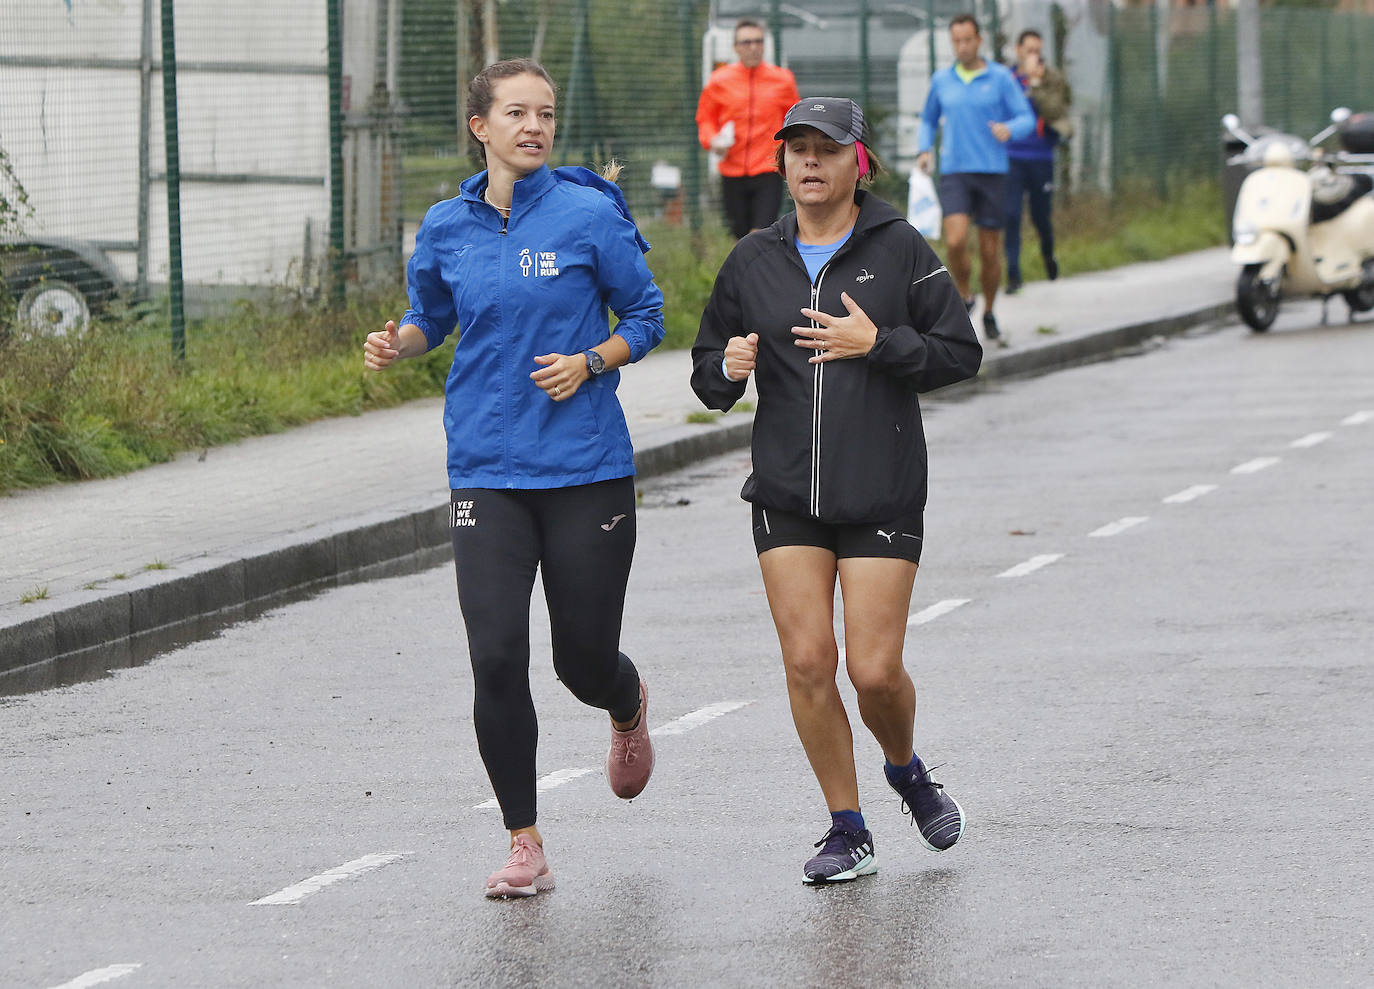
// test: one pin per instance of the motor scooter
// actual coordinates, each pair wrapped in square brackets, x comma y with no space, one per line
[1306,233]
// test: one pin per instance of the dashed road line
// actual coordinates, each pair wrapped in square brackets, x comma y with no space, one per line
[97,976]
[1359,418]
[1188,494]
[1253,466]
[1031,565]
[695,719]
[545,783]
[936,610]
[1311,439]
[349,870]
[1119,526]
[678,726]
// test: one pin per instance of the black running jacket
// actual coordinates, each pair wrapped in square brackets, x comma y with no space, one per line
[839,441]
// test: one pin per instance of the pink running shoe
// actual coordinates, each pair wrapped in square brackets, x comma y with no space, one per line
[630,762]
[526,871]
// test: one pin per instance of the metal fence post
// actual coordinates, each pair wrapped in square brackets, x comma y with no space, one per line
[865,73]
[1249,73]
[581,102]
[775,25]
[175,286]
[1213,77]
[690,90]
[1114,98]
[1158,72]
[145,141]
[336,178]
[462,29]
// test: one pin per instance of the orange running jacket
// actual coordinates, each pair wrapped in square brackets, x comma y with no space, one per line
[756,100]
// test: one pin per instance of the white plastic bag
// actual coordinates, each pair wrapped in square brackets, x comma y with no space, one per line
[721,145]
[923,205]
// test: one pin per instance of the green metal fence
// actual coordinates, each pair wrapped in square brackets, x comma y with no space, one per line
[312,136]
[1172,79]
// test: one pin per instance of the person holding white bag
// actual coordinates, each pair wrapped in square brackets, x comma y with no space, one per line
[741,106]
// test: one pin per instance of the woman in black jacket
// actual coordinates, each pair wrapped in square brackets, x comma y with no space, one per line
[839,481]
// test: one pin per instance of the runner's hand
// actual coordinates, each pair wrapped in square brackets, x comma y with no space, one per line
[837,337]
[741,354]
[925,161]
[561,375]
[381,349]
[1000,130]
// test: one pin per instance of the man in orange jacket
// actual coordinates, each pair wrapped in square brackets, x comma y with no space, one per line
[753,97]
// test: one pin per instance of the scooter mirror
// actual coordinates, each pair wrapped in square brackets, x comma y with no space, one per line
[1230,121]
[1340,115]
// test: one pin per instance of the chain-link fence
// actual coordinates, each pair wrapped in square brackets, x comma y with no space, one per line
[255,182]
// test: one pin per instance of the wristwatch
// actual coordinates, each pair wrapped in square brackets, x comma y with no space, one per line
[596,364]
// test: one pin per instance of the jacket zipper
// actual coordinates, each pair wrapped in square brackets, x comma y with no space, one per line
[818,382]
[818,375]
[505,389]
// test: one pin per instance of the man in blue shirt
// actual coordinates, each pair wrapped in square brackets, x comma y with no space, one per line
[981,107]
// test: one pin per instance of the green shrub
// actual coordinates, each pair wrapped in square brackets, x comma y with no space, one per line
[113,399]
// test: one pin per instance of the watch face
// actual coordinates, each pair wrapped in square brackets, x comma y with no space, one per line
[595,363]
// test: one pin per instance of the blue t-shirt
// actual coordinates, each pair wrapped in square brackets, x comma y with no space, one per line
[814,256]
[962,110]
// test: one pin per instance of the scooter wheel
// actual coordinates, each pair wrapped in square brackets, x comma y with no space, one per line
[1362,299]
[1257,301]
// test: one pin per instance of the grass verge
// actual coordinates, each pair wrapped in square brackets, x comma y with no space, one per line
[113,400]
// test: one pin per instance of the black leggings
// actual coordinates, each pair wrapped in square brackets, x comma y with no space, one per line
[582,539]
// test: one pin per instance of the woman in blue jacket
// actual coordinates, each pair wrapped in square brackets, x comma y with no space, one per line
[527,260]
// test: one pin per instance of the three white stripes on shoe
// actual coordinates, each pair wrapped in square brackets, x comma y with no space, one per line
[696,719]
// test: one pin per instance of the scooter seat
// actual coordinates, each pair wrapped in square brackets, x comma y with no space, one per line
[1340,194]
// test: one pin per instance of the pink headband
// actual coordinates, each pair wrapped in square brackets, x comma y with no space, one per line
[862,154]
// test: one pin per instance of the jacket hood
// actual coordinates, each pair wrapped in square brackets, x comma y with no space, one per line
[534,185]
[873,213]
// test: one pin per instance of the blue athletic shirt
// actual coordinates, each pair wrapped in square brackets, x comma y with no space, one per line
[540,285]
[814,256]
[967,142]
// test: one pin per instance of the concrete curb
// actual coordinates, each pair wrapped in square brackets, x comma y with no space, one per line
[111,627]
[1096,346]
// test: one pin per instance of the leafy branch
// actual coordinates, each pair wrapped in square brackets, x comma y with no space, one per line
[14,200]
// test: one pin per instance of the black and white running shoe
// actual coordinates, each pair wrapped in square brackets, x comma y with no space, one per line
[845,855]
[932,810]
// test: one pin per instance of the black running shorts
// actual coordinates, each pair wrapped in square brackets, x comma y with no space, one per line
[899,539]
[980,195]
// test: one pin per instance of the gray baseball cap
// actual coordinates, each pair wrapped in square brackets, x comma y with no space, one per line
[837,118]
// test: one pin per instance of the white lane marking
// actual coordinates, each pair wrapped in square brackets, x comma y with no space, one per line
[1032,565]
[1252,466]
[557,778]
[1311,439]
[98,975]
[1188,494]
[1120,525]
[298,892]
[936,610]
[695,719]
[1359,418]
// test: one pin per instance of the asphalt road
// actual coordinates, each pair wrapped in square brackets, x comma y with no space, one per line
[1142,644]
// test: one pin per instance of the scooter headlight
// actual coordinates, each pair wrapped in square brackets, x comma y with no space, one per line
[1244,233]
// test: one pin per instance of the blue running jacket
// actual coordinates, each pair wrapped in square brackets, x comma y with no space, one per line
[568,253]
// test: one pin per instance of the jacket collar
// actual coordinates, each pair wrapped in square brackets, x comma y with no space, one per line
[527,191]
[873,212]
[535,185]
